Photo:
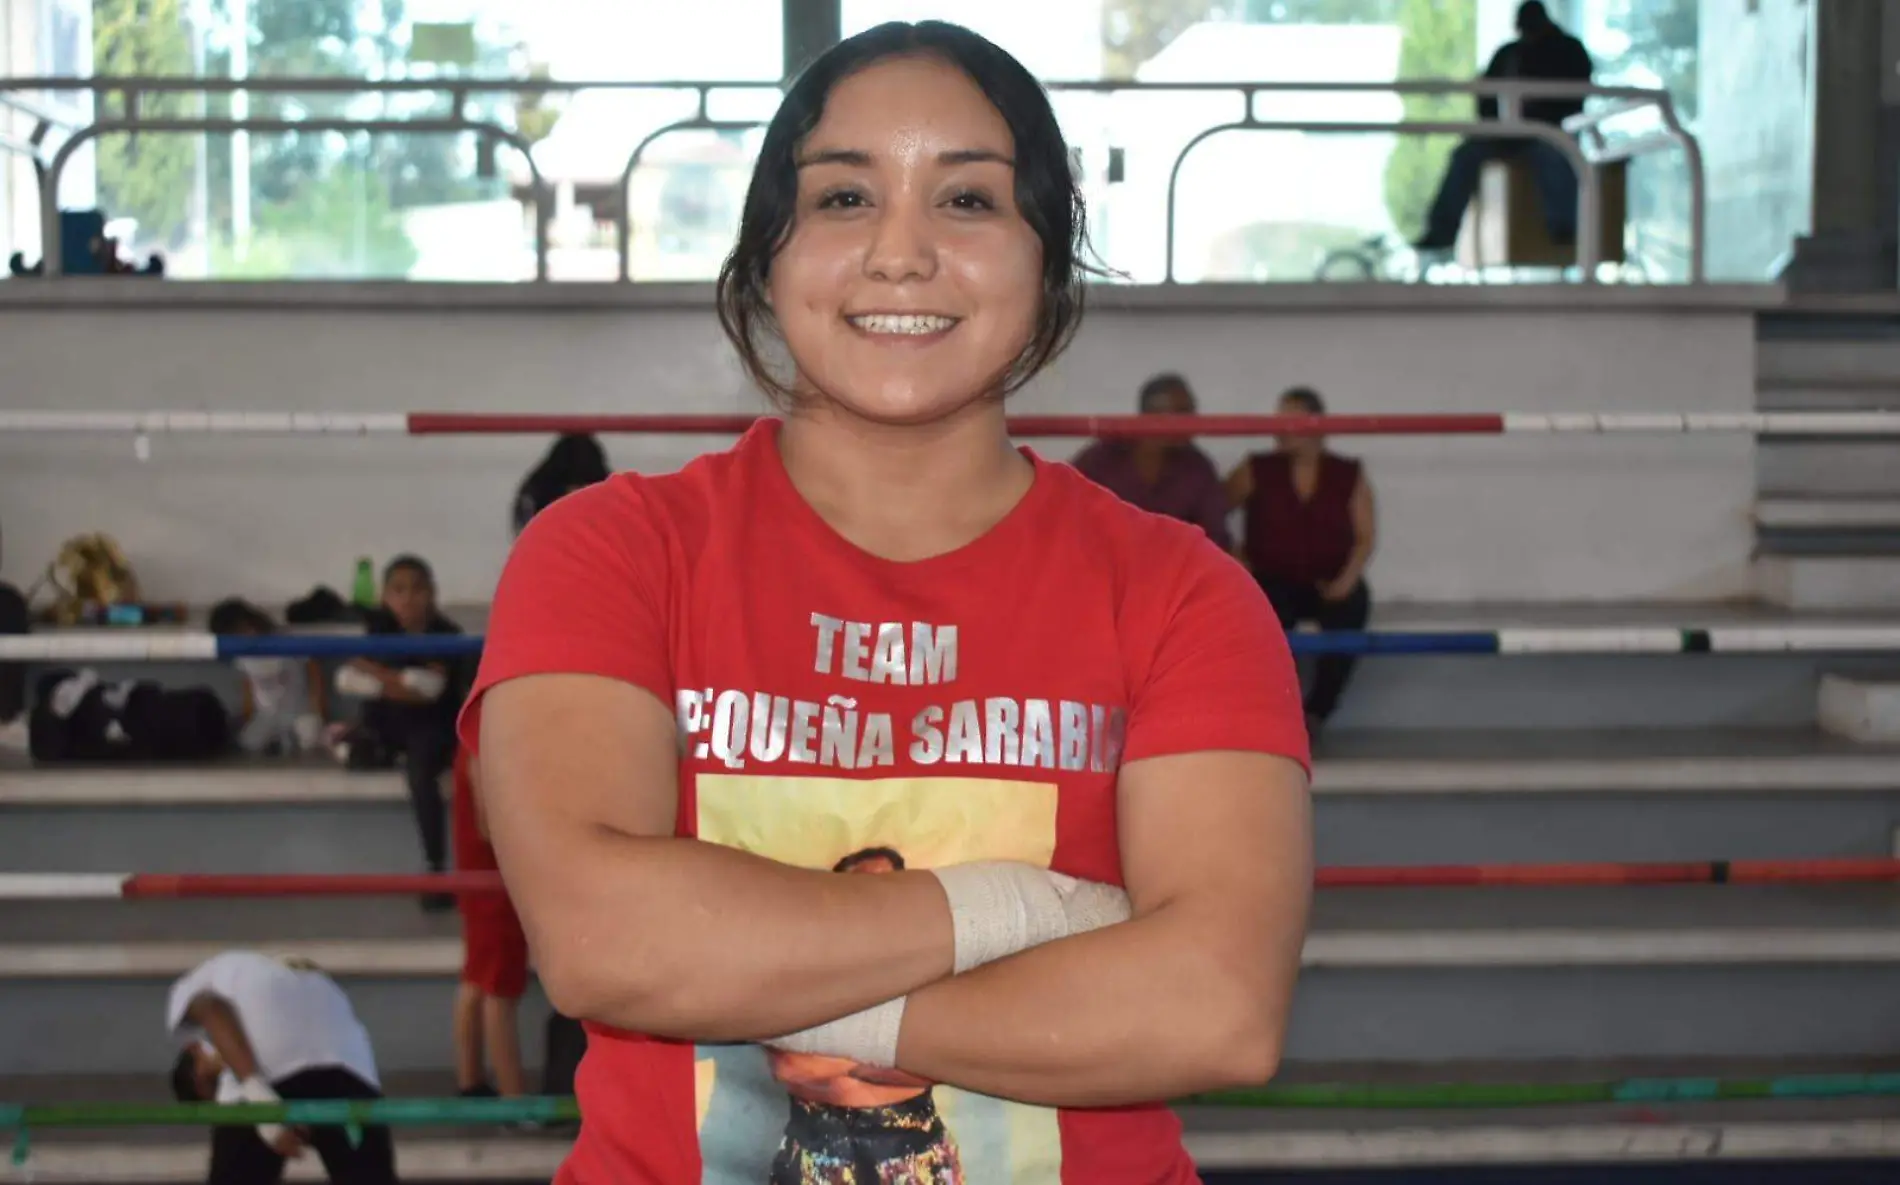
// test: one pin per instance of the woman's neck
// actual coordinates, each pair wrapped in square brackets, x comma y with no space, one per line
[906,492]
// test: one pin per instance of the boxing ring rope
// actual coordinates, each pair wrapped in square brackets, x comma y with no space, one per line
[354,1114]
[167,886]
[427,423]
[133,644]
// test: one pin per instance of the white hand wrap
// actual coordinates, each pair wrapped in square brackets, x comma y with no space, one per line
[868,1037]
[358,683]
[427,683]
[1000,907]
[1090,905]
[256,1090]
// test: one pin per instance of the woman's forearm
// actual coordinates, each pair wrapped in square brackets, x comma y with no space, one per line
[1151,1010]
[678,938]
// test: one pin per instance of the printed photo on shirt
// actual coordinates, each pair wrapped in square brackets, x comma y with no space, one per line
[772,1118]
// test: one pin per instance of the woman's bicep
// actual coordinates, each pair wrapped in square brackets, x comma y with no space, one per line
[1229,831]
[572,767]
[577,751]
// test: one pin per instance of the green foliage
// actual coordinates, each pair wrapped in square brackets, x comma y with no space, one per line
[147,177]
[1663,41]
[1440,42]
[338,226]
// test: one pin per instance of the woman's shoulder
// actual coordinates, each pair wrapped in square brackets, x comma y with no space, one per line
[1128,538]
[660,508]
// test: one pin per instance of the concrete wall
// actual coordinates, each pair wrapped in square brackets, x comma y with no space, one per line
[1519,518]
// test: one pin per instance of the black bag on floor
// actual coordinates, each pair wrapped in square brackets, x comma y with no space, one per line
[79,717]
[566,1042]
[13,620]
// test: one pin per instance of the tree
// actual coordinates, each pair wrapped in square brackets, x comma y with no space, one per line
[1662,41]
[1440,42]
[148,177]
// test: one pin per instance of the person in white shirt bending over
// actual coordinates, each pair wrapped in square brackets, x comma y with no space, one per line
[258,1029]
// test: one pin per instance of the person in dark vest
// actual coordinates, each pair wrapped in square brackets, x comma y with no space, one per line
[1543,52]
[1310,528]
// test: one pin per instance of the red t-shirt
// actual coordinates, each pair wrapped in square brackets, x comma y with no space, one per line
[975,705]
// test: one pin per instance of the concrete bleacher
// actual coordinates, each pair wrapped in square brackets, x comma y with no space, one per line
[1434,759]
[1828,513]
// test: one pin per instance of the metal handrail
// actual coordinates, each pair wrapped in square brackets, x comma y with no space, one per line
[49,185]
[44,121]
[1587,126]
[1617,100]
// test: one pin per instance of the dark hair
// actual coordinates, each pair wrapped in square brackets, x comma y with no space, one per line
[1533,17]
[234,615]
[1307,398]
[185,1077]
[572,461]
[408,562]
[866,855]
[1046,190]
[1161,384]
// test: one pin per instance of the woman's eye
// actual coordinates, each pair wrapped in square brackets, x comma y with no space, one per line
[841,199]
[970,199]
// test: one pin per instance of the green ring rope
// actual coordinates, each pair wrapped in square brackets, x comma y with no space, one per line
[1317,1096]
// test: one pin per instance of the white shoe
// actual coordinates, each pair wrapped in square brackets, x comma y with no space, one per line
[14,736]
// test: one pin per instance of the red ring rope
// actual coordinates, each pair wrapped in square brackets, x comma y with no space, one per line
[1698,872]
[1076,427]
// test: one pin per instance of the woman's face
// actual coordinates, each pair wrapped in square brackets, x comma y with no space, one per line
[910,282]
[1298,444]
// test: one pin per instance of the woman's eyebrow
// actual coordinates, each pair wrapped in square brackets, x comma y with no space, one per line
[857,158]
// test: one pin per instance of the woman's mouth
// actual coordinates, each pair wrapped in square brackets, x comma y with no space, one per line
[902,324]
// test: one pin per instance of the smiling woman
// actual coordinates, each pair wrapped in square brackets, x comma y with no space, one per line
[875,636]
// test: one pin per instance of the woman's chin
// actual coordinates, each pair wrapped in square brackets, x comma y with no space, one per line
[898,407]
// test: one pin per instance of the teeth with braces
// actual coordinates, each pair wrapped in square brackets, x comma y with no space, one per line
[908,324]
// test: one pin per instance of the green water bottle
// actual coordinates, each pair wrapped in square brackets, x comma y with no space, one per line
[364,594]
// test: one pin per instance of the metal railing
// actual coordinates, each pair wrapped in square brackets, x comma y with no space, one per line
[45,123]
[1585,152]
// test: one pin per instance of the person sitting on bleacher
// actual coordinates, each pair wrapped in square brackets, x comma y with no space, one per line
[259,1029]
[1542,51]
[1310,528]
[411,705]
[284,706]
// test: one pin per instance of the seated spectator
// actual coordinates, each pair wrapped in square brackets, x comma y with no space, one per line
[284,702]
[1542,51]
[257,1029]
[1165,475]
[494,958]
[410,704]
[573,462]
[1309,534]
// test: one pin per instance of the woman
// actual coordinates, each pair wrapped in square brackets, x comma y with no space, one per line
[875,623]
[1310,526]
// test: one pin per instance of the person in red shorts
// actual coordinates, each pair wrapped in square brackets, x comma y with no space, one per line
[875,623]
[494,958]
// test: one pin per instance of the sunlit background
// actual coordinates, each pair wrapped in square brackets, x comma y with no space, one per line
[1251,205]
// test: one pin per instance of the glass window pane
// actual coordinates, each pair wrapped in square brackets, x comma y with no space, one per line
[430,204]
